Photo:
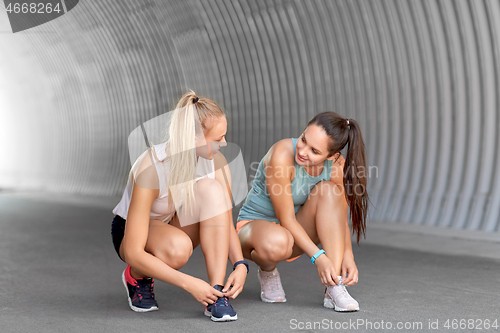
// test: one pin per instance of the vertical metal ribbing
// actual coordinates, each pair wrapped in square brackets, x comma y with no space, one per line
[455,152]
[399,164]
[360,48]
[311,60]
[307,100]
[429,119]
[444,113]
[297,95]
[421,78]
[382,87]
[224,51]
[372,98]
[233,30]
[473,123]
[289,128]
[274,54]
[395,93]
[244,127]
[265,53]
[487,115]
[492,212]
[257,115]
[326,94]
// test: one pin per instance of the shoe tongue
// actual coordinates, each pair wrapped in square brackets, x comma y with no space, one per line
[144,280]
[218,287]
[341,289]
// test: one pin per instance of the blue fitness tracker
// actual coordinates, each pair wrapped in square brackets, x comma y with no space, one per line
[239,263]
[314,257]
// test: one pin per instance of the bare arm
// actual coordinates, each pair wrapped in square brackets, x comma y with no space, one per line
[136,235]
[279,166]
[144,192]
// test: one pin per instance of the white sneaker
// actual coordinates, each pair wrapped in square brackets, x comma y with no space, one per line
[271,290]
[337,298]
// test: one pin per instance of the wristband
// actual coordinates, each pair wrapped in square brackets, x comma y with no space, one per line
[314,257]
[239,263]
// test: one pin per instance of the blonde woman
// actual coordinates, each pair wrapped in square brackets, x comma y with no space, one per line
[178,196]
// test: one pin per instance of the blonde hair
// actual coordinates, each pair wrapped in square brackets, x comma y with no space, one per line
[181,145]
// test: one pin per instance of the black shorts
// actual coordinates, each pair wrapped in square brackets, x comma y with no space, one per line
[117,232]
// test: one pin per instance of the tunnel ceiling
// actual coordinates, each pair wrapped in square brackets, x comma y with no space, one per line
[420,77]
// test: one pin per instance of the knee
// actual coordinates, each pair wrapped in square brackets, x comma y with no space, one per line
[210,191]
[328,191]
[277,247]
[211,198]
[176,251]
[209,187]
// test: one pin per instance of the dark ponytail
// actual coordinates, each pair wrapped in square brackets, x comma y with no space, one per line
[355,179]
[347,132]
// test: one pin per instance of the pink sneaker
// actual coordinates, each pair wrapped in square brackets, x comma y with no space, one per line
[337,298]
[271,290]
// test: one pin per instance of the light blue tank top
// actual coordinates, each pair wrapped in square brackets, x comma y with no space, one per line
[258,205]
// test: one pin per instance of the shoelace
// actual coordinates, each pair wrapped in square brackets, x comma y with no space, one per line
[145,289]
[341,291]
[222,299]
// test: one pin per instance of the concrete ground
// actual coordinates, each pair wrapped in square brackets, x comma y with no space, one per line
[59,273]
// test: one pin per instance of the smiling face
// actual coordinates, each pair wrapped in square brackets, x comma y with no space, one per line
[213,139]
[312,147]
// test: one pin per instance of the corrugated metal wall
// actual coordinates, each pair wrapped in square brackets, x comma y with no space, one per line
[421,78]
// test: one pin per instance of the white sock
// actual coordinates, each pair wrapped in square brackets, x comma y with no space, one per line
[340,280]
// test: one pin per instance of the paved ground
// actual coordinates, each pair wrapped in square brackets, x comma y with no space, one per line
[59,273]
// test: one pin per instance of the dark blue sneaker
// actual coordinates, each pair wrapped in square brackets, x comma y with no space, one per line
[141,297]
[221,310]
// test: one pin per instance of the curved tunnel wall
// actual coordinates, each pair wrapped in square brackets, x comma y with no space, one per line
[420,77]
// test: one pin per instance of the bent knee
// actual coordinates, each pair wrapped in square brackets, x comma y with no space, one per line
[209,188]
[211,198]
[328,190]
[175,252]
[277,246]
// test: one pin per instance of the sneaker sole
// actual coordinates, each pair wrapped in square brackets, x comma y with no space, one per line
[135,308]
[224,318]
[278,300]
[330,304]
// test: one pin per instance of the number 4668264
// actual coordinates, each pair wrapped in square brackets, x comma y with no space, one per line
[32,8]
[473,324]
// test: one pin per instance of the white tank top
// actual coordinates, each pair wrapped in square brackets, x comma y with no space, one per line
[160,209]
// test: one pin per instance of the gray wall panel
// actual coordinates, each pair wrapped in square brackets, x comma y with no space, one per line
[420,77]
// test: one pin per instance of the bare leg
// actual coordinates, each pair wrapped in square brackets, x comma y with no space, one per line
[324,217]
[214,239]
[265,243]
[174,243]
[166,242]
[214,228]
